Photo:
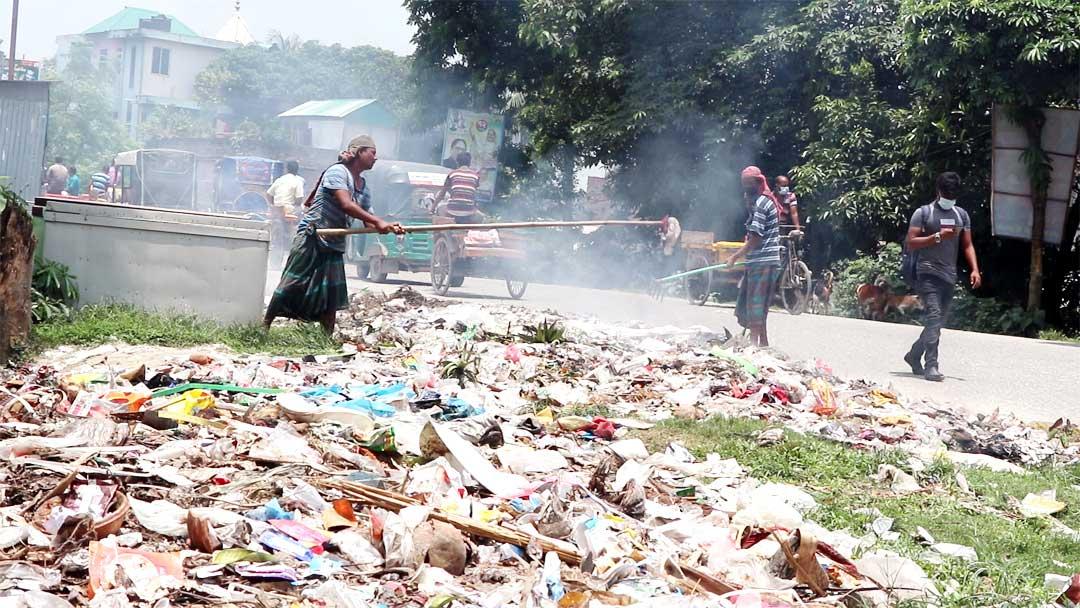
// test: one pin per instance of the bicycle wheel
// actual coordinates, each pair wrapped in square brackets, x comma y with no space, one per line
[698,286]
[442,267]
[795,287]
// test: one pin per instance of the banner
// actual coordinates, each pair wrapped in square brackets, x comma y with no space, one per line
[481,135]
[26,69]
[1010,198]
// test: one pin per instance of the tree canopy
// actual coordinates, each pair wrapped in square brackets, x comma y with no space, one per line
[862,101]
[256,83]
[82,124]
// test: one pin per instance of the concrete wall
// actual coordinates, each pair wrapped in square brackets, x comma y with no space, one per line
[386,138]
[326,133]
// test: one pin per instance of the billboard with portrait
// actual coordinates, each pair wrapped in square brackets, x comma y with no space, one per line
[481,135]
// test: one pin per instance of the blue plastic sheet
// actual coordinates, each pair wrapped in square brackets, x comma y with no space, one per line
[456,408]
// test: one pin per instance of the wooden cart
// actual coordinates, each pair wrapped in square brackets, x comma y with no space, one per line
[456,255]
[701,251]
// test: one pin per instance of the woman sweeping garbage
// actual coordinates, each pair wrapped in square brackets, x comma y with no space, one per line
[312,286]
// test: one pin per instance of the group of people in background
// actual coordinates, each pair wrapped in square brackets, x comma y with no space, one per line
[64,179]
[937,234]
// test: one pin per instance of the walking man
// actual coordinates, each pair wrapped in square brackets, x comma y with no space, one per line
[285,194]
[762,253]
[56,177]
[937,233]
[312,286]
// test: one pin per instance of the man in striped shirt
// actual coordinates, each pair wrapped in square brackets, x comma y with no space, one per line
[762,253]
[461,185]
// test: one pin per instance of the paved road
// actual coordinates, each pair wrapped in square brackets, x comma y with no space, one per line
[1034,379]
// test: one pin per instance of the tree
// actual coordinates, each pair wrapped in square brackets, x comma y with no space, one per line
[257,83]
[1023,54]
[864,101]
[16,269]
[169,122]
[82,127]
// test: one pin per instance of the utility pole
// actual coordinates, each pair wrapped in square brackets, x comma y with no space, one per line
[14,31]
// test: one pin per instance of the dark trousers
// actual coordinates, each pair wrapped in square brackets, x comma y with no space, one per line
[936,295]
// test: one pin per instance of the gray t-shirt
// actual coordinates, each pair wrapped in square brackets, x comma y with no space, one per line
[939,260]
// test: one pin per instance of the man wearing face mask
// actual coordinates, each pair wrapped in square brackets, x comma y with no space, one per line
[789,204]
[937,233]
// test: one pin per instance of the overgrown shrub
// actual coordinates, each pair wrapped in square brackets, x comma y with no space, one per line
[54,291]
[993,316]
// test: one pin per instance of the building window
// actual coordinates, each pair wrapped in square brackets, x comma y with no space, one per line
[129,112]
[131,71]
[103,57]
[161,61]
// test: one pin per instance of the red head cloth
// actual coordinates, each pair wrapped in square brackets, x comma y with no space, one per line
[763,183]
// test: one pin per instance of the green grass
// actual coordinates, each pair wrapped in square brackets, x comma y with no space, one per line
[95,325]
[591,410]
[1056,335]
[1014,553]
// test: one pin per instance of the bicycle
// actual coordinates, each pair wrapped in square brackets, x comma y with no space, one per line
[796,280]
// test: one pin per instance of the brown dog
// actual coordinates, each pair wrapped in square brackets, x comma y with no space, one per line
[821,298]
[876,301]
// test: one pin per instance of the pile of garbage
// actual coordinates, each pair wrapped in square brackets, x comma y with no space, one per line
[452,454]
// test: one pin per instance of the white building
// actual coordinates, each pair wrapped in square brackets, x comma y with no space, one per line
[154,58]
[329,124]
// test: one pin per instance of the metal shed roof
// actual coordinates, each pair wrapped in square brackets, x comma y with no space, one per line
[128,19]
[327,108]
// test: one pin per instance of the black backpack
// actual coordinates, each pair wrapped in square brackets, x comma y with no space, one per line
[909,260]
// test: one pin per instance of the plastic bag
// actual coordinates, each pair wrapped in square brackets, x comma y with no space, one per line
[160,516]
[398,545]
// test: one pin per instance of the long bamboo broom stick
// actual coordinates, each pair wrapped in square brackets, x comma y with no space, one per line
[492,226]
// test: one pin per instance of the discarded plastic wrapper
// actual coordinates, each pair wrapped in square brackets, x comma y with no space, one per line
[268,571]
[397,537]
[341,595]
[160,516]
[185,407]
[722,353]
[303,534]
[27,576]
[357,548]
[181,388]
[300,409]
[824,399]
[271,510]
[520,459]
[81,499]
[285,445]
[282,543]
[1041,504]
[232,556]
[150,576]
[382,440]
